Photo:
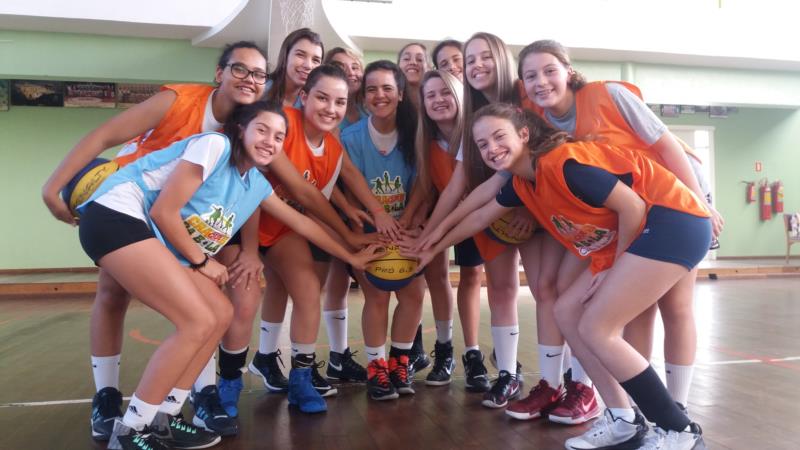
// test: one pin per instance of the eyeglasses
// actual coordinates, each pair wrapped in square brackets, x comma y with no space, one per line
[241,72]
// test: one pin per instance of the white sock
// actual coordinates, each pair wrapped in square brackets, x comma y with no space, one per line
[472,347]
[505,347]
[679,381]
[375,352]
[268,338]
[550,361]
[174,402]
[578,374]
[106,371]
[444,331]
[403,345]
[139,414]
[208,376]
[625,414]
[336,323]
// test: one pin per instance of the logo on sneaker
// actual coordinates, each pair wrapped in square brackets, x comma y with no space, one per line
[132,409]
[340,318]
[335,366]
[551,356]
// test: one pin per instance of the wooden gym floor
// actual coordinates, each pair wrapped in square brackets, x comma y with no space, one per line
[744,395]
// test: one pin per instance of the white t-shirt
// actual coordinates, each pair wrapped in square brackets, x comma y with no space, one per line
[385,143]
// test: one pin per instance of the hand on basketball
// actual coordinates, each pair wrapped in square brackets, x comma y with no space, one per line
[57,207]
[522,224]
[361,260]
[215,271]
[597,280]
[245,269]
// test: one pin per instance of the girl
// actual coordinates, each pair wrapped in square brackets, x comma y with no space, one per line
[353,66]
[614,110]
[413,62]
[291,265]
[175,113]
[301,51]
[382,148]
[207,185]
[438,140]
[642,231]
[448,55]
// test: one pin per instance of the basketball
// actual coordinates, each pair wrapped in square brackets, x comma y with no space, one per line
[497,231]
[83,185]
[393,271]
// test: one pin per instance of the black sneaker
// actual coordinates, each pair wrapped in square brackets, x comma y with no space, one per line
[401,374]
[322,386]
[418,359]
[477,378]
[106,406]
[505,388]
[493,360]
[209,413]
[126,438]
[342,367]
[178,433]
[266,367]
[443,365]
[379,386]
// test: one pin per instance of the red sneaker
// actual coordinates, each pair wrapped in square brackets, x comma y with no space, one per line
[579,405]
[538,403]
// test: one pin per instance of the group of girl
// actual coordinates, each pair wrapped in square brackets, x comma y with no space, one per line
[372,141]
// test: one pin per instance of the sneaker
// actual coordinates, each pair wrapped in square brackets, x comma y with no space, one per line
[229,391]
[175,432]
[106,407]
[126,438]
[342,367]
[579,405]
[443,365]
[266,367]
[505,388]
[302,392]
[661,439]
[401,374]
[541,400]
[493,360]
[209,413]
[476,376]
[379,386]
[418,359]
[610,432]
[320,384]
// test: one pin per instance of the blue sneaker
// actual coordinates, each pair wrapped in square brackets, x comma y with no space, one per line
[209,414]
[229,391]
[302,393]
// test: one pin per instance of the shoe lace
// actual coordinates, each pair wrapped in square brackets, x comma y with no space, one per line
[350,363]
[573,396]
[380,372]
[276,360]
[178,423]
[501,384]
[399,368]
[212,403]
[474,367]
[439,358]
[108,404]
[655,439]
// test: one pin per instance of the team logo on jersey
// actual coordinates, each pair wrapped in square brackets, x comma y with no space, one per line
[390,193]
[212,229]
[587,238]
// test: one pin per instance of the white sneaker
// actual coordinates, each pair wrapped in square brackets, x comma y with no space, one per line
[661,439]
[610,432]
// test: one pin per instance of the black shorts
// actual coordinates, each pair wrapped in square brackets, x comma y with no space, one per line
[467,254]
[673,236]
[103,230]
[317,254]
[236,239]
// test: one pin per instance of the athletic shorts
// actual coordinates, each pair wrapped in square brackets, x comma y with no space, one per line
[103,230]
[317,254]
[467,254]
[673,236]
[236,239]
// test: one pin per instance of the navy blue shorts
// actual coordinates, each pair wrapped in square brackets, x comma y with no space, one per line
[467,254]
[317,254]
[236,239]
[103,230]
[673,236]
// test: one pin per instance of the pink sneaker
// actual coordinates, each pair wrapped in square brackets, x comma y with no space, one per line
[579,405]
[538,403]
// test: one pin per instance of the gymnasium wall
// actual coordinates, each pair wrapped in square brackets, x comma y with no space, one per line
[34,139]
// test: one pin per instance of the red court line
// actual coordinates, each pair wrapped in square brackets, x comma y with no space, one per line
[137,334]
[763,359]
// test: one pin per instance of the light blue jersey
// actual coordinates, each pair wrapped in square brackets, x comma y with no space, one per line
[388,176]
[216,211]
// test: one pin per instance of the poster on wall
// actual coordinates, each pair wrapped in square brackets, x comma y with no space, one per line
[89,95]
[37,93]
[129,94]
[3,95]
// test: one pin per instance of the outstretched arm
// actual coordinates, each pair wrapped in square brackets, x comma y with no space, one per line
[357,185]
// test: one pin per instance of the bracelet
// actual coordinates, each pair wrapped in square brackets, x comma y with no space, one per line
[199,265]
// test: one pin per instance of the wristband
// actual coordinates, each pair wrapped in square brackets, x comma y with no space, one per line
[199,265]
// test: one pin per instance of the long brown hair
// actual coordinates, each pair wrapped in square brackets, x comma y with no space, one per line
[576,80]
[278,76]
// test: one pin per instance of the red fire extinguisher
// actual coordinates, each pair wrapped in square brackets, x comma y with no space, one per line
[765,199]
[750,191]
[777,192]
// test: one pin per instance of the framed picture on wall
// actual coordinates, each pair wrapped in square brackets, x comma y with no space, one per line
[129,94]
[670,110]
[3,95]
[37,93]
[89,95]
[718,112]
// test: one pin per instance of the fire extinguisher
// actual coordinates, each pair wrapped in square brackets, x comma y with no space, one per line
[777,192]
[750,191]
[765,199]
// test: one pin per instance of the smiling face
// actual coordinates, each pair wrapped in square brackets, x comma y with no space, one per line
[545,79]
[413,63]
[439,100]
[303,57]
[481,71]
[352,69]
[450,59]
[500,144]
[325,105]
[381,94]
[244,91]
[263,138]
